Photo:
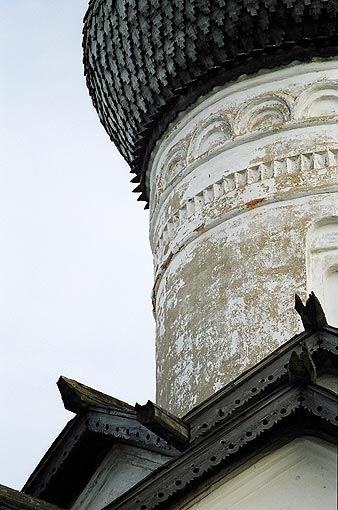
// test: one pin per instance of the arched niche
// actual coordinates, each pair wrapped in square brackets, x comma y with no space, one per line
[331,291]
[262,113]
[322,265]
[174,163]
[320,100]
[212,133]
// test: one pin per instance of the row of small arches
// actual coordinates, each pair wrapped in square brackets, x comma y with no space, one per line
[264,112]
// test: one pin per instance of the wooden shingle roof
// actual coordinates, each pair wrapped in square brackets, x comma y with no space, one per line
[146,60]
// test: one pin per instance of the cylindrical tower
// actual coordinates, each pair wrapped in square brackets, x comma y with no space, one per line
[227,113]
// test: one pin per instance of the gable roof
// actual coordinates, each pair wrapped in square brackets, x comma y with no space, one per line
[265,406]
[268,404]
[101,421]
[282,397]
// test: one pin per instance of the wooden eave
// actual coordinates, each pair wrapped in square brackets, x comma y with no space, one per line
[232,425]
[260,407]
[11,499]
[270,373]
[289,412]
[75,455]
[78,397]
[165,424]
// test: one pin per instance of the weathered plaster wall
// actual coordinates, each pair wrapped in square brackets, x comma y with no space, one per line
[237,184]
[301,475]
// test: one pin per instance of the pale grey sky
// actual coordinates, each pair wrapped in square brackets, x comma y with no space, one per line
[75,264]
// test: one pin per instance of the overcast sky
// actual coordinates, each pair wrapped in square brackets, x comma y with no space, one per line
[75,263]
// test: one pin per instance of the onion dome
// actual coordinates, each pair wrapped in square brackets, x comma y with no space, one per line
[147,60]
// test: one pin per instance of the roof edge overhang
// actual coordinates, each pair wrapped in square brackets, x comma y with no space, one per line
[11,499]
[77,452]
[266,375]
[288,413]
[242,407]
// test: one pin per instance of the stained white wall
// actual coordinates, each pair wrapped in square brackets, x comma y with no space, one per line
[236,184]
[122,468]
[299,476]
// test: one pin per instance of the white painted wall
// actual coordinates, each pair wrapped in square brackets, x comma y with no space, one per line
[323,265]
[329,381]
[237,184]
[299,476]
[122,468]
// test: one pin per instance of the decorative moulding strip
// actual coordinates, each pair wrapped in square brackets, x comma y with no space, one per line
[126,429]
[299,163]
[50,466]
[239,394]
[119,427]
[220,445]
[254,118]
[328,407]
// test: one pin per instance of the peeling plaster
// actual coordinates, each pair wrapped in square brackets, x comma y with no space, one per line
[230,222]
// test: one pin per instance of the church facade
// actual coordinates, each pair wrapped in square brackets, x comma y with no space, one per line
[227,113]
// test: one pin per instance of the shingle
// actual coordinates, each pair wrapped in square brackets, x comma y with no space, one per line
[146,52]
